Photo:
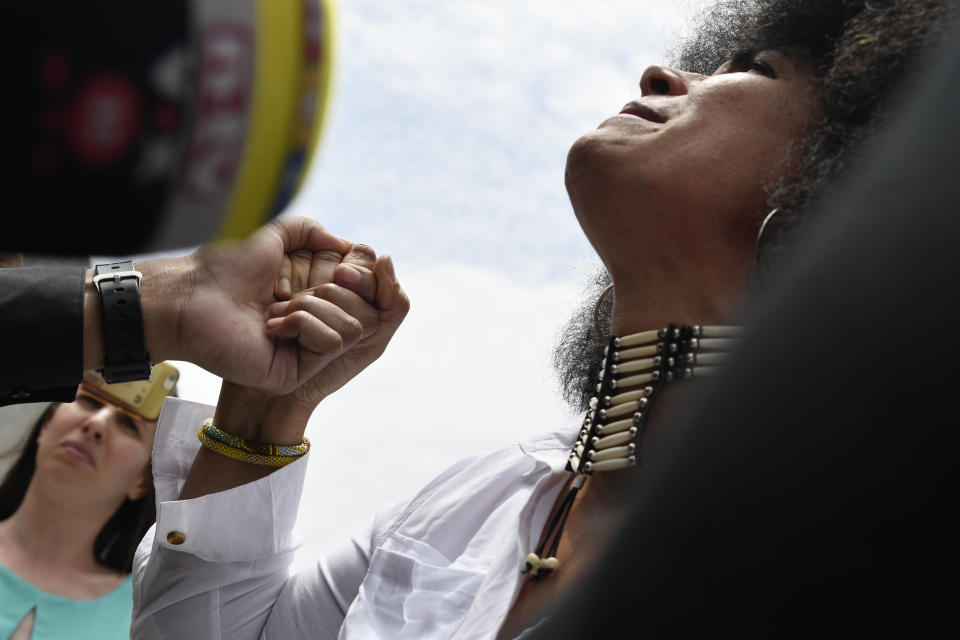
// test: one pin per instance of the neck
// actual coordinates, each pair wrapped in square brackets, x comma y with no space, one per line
[52,531]
[696,288]
[638,309]
[686,298]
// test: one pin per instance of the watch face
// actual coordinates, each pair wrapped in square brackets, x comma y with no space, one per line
[141,397]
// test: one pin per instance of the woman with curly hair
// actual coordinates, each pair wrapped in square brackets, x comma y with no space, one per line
[681,194]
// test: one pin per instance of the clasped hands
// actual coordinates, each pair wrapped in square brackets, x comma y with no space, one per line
[285,317]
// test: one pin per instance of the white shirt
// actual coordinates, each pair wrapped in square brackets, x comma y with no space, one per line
[445,564]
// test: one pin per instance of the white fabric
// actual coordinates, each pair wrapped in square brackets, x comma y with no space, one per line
[445,564]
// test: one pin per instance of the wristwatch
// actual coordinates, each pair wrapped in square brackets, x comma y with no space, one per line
[126,356]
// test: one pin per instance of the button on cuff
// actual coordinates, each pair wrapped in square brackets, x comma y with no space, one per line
[176,537]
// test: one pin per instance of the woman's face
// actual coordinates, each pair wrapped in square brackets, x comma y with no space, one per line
[96,448]
[681,172]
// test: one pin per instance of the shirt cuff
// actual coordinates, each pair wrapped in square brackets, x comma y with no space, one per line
[245,523]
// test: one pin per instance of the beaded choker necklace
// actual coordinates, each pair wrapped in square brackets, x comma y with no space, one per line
[633,371]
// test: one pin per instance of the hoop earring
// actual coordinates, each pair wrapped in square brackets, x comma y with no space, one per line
[596,313]
[759,241]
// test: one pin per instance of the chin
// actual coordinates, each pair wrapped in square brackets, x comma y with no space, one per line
[597,173]
[597,156]
[584,170]
[582,155]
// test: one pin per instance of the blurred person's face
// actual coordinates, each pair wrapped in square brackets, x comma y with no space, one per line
[96,448]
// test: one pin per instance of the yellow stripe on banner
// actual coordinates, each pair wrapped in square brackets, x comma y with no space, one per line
[272,115]
[328,50]
[318,27]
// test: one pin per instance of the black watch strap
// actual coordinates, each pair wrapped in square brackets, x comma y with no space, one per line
[126,355]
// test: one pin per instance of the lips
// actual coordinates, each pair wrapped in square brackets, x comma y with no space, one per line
[642,111]
[79,451]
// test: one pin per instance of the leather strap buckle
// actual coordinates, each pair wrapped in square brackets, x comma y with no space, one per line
[126,356]
[116,276]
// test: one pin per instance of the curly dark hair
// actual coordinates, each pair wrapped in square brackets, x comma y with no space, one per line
[861,52]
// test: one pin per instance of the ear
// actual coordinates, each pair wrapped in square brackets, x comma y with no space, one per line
[141,487]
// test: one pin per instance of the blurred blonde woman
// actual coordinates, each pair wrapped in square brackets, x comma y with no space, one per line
[72,509]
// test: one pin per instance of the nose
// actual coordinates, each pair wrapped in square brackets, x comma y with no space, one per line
[664,81]
[97,424]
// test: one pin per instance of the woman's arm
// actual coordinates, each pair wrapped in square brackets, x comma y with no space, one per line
[335,326]
[229,564]
[180,595]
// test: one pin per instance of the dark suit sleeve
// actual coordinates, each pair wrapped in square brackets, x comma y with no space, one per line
[813,490]
[41,333]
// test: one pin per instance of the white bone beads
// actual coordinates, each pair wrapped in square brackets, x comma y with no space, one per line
[633,369]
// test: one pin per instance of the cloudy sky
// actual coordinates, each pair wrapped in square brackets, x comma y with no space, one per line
[445,147]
